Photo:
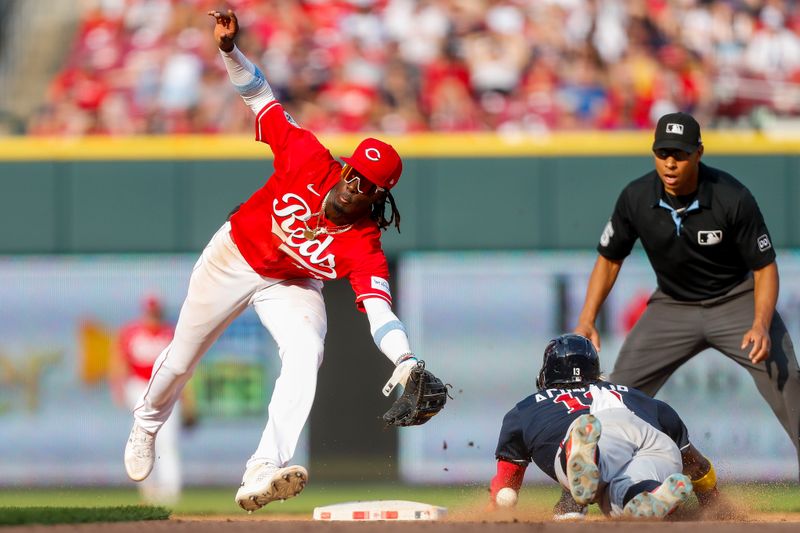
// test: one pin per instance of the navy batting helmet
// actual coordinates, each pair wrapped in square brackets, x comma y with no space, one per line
[569,360]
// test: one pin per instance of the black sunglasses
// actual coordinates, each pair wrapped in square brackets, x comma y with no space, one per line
[675,153]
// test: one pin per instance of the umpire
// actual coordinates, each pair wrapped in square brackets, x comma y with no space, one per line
[715,265]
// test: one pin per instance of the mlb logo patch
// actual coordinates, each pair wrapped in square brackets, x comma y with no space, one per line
[380,284]
[709,238]
[677,129]
[763,243]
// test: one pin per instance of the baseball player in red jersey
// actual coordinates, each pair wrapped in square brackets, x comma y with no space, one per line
[314,220]
[140,342]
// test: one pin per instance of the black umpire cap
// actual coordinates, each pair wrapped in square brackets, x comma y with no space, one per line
[677,130]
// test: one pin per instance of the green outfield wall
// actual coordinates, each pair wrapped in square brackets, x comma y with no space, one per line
[457,192]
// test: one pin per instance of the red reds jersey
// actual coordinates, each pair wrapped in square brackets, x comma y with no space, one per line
[269,228]
[141,345]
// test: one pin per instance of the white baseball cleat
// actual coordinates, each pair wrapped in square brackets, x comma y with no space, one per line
[140,453]
[265,483]
[583,475]
[674,491]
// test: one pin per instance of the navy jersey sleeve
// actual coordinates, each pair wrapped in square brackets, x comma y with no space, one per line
[510,444]
[752,237]
[619,235]
[672,425]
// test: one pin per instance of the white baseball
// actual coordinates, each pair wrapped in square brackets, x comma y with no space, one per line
[506,497]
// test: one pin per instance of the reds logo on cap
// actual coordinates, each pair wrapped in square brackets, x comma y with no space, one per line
[377,161]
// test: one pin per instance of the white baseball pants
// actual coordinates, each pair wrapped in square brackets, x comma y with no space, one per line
[223,285]
[164,485]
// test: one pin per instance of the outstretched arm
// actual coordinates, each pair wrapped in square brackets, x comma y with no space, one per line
[248,80]
[509,475]
[390,337]
[424,395]
[604,275]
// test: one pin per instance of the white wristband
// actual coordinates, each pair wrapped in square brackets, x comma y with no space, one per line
[400,375]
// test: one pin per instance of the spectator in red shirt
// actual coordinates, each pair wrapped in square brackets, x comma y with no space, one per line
[140,342]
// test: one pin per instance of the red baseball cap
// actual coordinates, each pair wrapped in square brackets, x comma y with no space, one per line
[377,161]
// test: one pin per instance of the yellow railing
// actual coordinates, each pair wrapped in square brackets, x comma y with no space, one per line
[419,145]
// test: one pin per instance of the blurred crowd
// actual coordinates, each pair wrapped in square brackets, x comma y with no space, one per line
[151,66]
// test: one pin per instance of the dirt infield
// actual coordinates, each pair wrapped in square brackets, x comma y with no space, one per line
[766,523]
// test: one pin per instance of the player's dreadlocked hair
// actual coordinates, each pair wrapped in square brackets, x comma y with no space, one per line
[378,209]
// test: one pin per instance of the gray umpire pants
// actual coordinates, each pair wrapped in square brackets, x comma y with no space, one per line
[671,332]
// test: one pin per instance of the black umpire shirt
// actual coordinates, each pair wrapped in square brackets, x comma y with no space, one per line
[701,252]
